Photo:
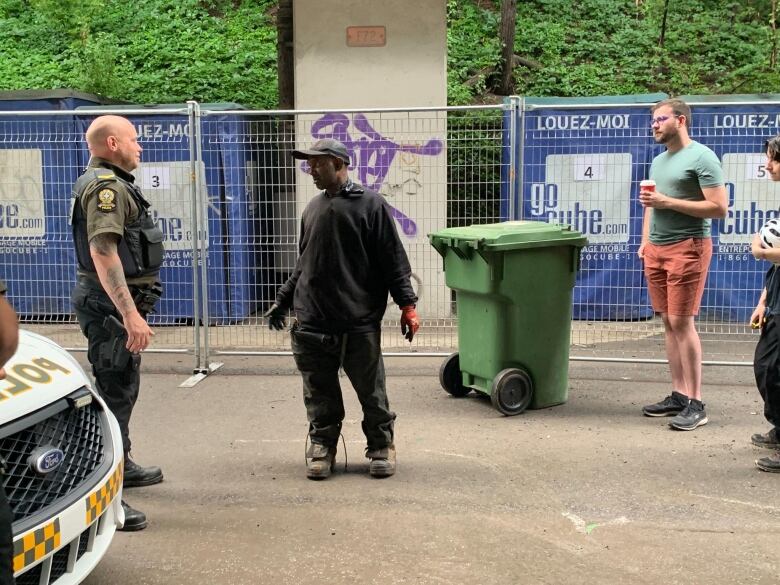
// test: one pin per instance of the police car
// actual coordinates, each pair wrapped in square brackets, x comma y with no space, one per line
[62,453]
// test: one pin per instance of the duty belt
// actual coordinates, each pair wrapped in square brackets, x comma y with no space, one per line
[145,297]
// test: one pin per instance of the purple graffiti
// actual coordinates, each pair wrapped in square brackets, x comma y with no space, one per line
[371,153]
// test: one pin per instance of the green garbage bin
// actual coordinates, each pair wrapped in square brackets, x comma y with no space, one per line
[514,282]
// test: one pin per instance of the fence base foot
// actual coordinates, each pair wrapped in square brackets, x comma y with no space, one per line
[199,374]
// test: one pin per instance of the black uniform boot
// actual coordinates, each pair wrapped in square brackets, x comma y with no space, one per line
[137,476]
[134,519]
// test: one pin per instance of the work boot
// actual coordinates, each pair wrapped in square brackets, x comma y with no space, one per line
[771,463]
[137,476]
[768,440]
[320,461]
[382,461]
[669,406]
[134,519]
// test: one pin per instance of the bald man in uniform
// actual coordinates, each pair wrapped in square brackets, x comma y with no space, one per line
[119,251]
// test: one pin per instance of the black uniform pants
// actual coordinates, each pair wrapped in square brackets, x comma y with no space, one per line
[766,366]
[118,387]
[6,541]
[319,357]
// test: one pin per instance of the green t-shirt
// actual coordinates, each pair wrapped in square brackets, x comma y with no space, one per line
[682,175]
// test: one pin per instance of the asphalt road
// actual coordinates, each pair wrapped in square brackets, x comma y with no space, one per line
[586,492]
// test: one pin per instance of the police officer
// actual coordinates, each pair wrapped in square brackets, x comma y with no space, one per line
[9,339]
[350,258]
[119,252]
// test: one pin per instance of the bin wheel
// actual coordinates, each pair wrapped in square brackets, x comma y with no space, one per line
[450,377]
[512,391]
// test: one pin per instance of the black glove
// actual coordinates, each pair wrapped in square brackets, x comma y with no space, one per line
[276,317]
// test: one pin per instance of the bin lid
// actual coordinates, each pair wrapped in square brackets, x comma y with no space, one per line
[509,235]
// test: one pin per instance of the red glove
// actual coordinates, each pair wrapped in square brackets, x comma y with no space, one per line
[409,322]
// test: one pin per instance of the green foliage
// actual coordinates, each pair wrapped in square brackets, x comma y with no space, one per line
[611,47]
[159,51]
[472,46]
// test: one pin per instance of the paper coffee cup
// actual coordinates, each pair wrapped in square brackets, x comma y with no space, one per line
[647,185]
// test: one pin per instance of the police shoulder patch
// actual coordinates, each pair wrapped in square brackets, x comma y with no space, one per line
[107,200]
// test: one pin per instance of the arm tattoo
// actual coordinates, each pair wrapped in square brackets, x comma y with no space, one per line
[118,291]
[115,284]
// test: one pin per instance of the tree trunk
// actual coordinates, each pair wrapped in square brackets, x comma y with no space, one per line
[663,24]
[773,22]
[285,62]
[507,37]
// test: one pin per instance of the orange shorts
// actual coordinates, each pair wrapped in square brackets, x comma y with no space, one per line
[676,274]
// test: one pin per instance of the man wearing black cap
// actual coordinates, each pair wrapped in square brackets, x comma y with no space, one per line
[350,257]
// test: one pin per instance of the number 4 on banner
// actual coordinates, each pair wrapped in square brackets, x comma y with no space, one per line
[588,167]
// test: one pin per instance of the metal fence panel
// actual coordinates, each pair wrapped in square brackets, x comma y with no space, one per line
[436,168]
[583,165]
[229,197]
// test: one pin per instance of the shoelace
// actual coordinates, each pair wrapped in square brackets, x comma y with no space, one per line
[343,444]
[686,411]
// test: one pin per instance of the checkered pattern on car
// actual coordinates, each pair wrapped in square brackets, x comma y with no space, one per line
[36,544]
[99,500]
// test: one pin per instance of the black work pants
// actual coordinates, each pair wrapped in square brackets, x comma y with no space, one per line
[766,366]
[118,386]
[6,541]
[319,357]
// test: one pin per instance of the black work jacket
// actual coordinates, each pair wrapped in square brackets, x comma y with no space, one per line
[350,258]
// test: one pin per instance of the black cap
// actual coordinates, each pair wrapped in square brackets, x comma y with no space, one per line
[324,147]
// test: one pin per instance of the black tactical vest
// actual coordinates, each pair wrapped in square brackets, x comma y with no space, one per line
[140,248]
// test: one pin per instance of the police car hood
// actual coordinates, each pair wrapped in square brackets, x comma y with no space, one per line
[39,373]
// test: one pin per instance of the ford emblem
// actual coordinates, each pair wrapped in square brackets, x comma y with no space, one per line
[46,459]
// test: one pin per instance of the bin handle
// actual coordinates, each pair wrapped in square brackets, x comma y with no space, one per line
[440,246]
[464,248]
[575,264]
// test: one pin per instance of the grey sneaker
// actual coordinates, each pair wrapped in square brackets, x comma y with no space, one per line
[382,461]
[768,440]
[771,463]
[690,417]
[320,461]
[669,406]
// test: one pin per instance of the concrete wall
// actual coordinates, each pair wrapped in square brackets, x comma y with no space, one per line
[401,155]
[410,70]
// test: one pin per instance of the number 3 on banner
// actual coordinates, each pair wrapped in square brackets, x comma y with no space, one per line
[588,168]
[155,178]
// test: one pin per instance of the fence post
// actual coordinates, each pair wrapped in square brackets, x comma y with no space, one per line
[514,184]
[512,161]
[193,111]
[518,104]
[203,226]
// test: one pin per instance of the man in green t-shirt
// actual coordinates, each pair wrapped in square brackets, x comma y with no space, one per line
[676,249]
